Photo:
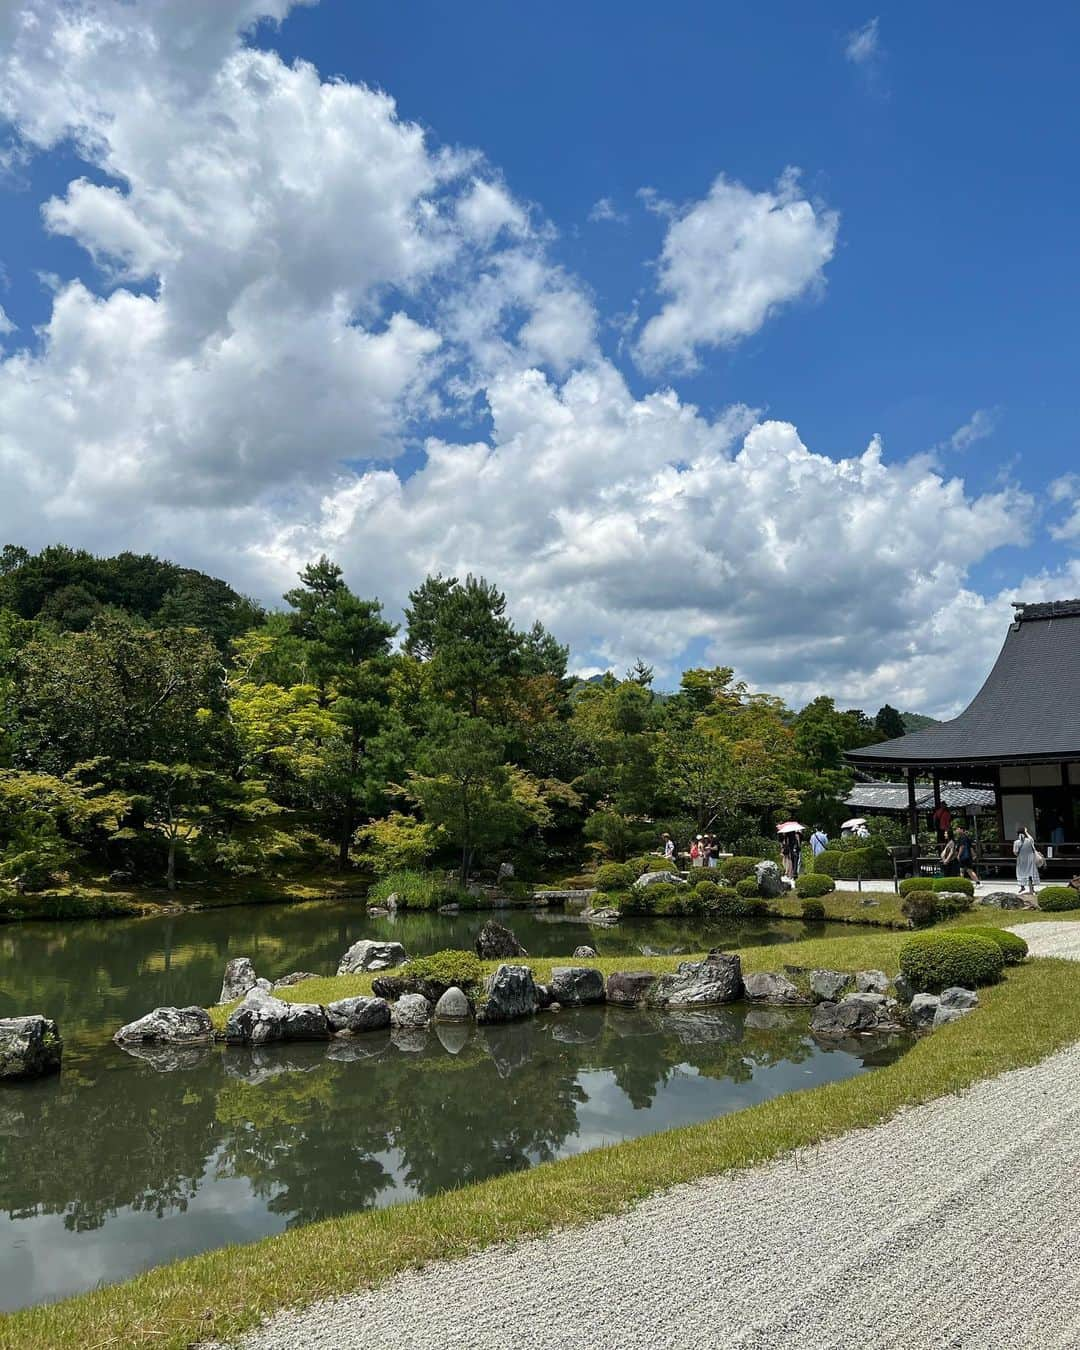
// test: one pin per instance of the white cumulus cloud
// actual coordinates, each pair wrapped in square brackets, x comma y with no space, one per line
[728,262]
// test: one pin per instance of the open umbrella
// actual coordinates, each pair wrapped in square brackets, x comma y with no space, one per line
[853,823]
[790,827]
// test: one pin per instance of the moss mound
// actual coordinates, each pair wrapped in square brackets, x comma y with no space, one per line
[1013,947]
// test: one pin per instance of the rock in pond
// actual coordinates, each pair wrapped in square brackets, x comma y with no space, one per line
[368,955]
[238,979]
[648,879]
[494,943]
[358,1014]
[453,1006]
[717,979]
[262,1018]
[295,977]
[30,1047]
[603,915]
[584,953]
[770,883]
[871,982]
[411,1012]
[628,988]
[573,986]
[856,1013]
[766,986]
[168,1026]
[830,985]
[511,993]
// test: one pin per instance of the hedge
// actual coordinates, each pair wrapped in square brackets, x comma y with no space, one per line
[613,876]
[1056,898]
[734,870]
[958,884]
[936,961]
[812,884]
[1013,947]
[827,862]
[651,862]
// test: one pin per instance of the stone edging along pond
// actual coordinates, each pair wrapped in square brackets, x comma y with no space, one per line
[845,1004]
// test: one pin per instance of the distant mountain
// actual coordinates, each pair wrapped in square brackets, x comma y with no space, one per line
[918,721]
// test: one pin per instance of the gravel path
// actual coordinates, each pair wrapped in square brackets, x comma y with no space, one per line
[952,1225]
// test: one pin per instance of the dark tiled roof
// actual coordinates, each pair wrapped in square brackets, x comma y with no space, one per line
[1029,707]
[893,797]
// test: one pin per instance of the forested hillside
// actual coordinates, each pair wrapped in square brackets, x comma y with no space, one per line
[159,727]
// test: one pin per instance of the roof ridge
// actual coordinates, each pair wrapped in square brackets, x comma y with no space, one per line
[1046,609]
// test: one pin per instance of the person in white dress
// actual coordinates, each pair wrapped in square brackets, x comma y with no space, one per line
[1027,861]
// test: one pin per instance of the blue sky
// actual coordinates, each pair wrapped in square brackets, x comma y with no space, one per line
[245,381]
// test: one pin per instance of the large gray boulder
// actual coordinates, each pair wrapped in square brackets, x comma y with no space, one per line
[511,993]
[368,955]
[30,1047]
[573,986]
[168,1026]
[1001,900]
[584,953]
[602,916]
[262,1018]
[770,882]
[454,1006]
[830,985]
[648,879]
[238,979]
[905,990]
[411,1012]
[767,986]
[628,988]
[494,942]
[954,1004]
[717,979]
[358,1014]
[871,982]
[857,1012]
[923,1009]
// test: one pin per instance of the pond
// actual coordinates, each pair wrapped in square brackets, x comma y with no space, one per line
[127,1161]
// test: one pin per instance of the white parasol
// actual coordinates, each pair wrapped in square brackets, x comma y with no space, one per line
[853,823]
[790,827]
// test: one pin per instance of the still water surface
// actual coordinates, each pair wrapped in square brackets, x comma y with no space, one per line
[127,1161]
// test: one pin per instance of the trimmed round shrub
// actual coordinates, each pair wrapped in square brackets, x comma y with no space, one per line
[651,862]
[612,876]
[747,888]
[871,861]
[827,862]
[433,975]
[961,885]
[936,961]
[706,889]
[1056,898]
[727,903]
[958,902]
[920,908]
[813,911]
[756,908]
[812,884]
[1013,947]
[734,870]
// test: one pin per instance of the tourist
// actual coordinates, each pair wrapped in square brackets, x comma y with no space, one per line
[950,863]
[819,840]
[697,856]
[668,847]
[942,819]
[791,852]
[1027,863]
[712,852]
[965,855]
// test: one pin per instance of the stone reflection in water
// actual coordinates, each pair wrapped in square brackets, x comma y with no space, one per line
[283,1135]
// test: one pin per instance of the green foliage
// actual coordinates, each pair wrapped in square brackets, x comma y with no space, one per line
[920,908]
[936,961]
[737,869]
[813,911]
[1054,899]
[872,860]
[961,885]
[613,876]
[616,833]
[1013,947]
[756,908]
[827,862]
[414,889]
[650,862]
[397,842]
[813,884]
[747,887]
[433,975]
[706,888]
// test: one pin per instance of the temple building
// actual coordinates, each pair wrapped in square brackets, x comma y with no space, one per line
[1019,737]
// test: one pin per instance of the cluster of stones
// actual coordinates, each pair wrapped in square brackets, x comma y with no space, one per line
[851,1004]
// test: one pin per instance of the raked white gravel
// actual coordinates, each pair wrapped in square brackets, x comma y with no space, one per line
[955,1224]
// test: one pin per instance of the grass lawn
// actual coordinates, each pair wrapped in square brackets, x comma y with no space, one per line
[1033,1012]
